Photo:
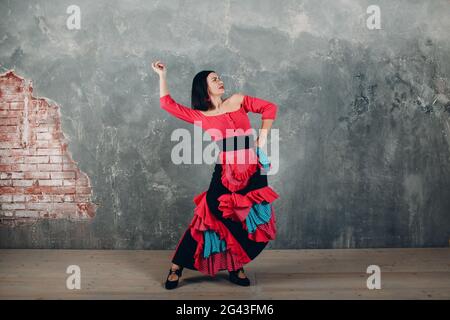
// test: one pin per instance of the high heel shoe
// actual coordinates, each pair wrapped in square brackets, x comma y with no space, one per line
[234,278]
[172,284]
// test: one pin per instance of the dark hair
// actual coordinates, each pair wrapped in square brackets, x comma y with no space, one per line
[200,97]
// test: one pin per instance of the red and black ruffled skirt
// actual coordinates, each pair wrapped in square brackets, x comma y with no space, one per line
[234,219]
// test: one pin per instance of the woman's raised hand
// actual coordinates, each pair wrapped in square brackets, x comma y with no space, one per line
[159,68]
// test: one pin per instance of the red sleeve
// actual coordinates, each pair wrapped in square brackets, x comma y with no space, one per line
[178,110]
[257,105]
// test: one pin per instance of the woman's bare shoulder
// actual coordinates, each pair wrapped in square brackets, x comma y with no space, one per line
[237,98]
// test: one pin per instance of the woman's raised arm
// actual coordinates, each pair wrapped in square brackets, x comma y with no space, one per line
[168,103]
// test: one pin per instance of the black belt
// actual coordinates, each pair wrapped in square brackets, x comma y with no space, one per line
[236,143]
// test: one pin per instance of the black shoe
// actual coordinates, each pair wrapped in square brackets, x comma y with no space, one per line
[173,284]
[234,278]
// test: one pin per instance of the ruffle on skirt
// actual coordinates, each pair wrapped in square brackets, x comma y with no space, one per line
[231,256]
[217,249]
[254,210]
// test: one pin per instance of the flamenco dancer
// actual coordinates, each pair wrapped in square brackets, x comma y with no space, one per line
[234,219]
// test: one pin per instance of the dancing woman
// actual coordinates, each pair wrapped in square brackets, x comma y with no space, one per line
[234,218]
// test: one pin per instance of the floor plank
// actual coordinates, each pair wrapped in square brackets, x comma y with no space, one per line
[410,273]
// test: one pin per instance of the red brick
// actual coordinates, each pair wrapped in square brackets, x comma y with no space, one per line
[9,144]
[11,160]
[37,175]
[69,190]
[45,120]
[5,167]
[9,121]
[11,114]
[37,159]
[7,213]
[37,206]
[13,206]
[16,106]
[47,144]
[41,129]
[39,198]
[44,136]
[63,175]
[50,151]
[53,215]
[82,178]
[58,198]
[50,167]
[50,183]
[24,167]
[23,183]
[82,198]
[6,183]
[88,208]
[83,190]
[46,190]
[69,198]
[11,98]
[67,159]
[6,198]
[71,182]
[27,213]
[65,206]
[18,175]
[8,128]
[15,152]
[19,198]
[9,136]
[5,175]
[56,159]
[37,171]
[5,190]
[69,167]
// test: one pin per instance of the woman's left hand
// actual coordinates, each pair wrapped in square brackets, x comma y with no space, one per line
[261,141]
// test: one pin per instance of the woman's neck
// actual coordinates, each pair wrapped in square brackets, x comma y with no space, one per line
[217,103]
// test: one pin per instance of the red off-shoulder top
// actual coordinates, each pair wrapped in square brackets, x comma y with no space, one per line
[233,123]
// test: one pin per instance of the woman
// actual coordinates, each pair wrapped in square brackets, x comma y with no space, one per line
[234,219]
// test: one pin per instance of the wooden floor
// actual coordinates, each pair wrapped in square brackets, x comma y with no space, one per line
[275,274]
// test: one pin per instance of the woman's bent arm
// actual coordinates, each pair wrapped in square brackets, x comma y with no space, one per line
[163,88]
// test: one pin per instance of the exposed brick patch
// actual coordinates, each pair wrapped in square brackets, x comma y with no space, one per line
[38,177]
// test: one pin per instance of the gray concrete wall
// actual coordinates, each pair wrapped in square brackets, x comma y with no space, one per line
[363,114]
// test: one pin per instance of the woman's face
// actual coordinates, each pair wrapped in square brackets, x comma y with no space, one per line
[215,84]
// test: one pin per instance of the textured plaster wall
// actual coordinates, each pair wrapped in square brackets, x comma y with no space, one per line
[363,114]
